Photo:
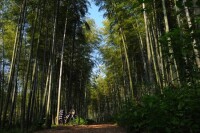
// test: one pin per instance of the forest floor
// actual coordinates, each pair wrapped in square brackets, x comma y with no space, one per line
[100,128]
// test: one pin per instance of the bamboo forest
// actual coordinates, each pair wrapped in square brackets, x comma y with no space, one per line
[146,78]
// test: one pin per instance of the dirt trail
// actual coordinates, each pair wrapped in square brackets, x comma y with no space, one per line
[100,128]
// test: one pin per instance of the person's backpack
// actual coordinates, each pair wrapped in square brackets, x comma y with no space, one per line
[61,117]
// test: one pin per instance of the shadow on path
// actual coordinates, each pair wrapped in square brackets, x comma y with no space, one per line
[100,128]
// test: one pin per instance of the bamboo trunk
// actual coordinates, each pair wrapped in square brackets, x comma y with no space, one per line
[14,97]
[128,64]
[14,57]
[24,95]
[142,51]
[61,70]
[153,55]
[2,79]
[173,70]
[48,117]
[149,62]
[194,43]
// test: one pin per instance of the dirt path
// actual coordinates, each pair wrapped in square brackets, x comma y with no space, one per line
[101,128]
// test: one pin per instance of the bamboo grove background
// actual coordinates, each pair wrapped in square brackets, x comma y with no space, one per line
[149,46]
[46,61]
[43,44]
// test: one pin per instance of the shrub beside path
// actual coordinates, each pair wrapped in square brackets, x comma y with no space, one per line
[100,128]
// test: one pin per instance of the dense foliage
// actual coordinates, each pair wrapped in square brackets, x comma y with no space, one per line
[176,110]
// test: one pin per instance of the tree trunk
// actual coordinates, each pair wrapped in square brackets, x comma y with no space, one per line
[142,51]
[194,43]
[2,79]
[23,105]
[123,72]
[48,117]
[12,66]
[70,84]
[127,61]
[61,70]
[148,45]
[15,90]
[14,97]
[32,88]
[153,55]
[173,74]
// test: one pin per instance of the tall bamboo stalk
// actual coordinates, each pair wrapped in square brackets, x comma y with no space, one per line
[61,70]
[14,57]
[194,43]
[52,62]
[127,61]
[148,45]
[174,74]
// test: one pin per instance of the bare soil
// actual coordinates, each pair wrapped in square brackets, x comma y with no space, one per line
[100,128]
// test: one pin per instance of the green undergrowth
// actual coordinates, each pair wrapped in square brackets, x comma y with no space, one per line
[174,111]
[12,130]
[78,121]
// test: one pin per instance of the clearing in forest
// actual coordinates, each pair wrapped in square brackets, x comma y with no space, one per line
[100,128]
